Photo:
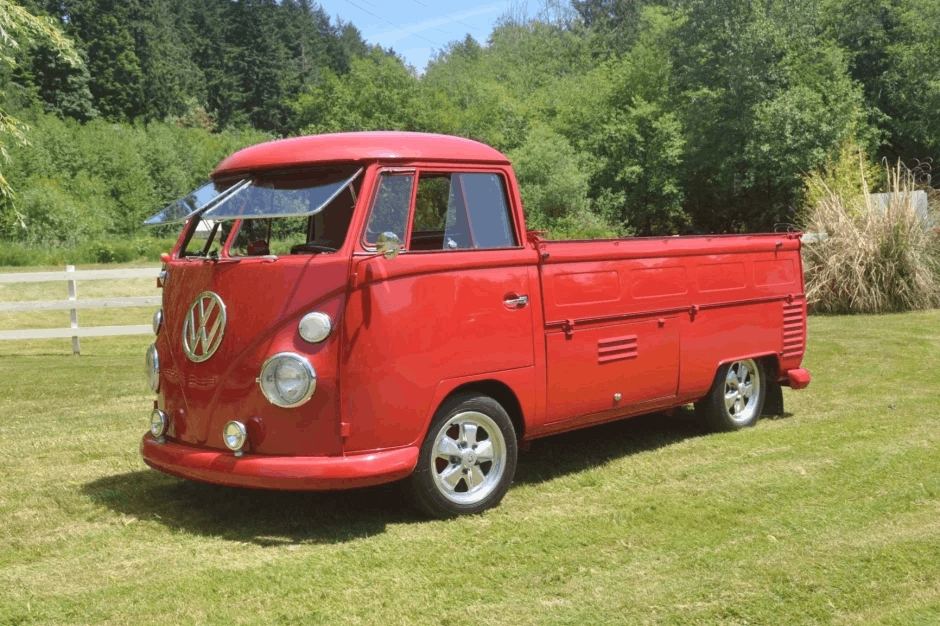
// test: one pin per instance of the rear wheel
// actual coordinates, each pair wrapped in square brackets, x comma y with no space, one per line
[736,398]
[468,459]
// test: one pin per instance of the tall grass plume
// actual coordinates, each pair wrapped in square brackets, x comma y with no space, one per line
[872,255]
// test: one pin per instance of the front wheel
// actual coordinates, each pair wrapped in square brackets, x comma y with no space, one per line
[736,398]
[467,460]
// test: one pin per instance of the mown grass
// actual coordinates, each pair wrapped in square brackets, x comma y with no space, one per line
[828,515]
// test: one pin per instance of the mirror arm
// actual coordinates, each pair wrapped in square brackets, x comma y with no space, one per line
[387,245]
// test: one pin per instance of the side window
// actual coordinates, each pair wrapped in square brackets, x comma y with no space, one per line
[252,239]
[461,211]
[440,215]
[489,212]
[390,207]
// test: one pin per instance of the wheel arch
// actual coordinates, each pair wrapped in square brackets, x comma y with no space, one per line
[770,361]
[713,409]
[496,389]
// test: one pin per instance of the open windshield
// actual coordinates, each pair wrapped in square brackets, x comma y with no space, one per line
[294,194]
[207,195]
[299,212]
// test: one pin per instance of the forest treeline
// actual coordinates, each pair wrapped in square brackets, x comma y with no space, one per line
[632,117]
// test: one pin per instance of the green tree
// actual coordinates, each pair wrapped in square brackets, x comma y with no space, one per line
[764,96]
[617,21]
[115,69]
[305,30]
[258,59]
[911,82]
[62,86]
[344,45]
[17,24]
[378,93]
[621,117]
[168,75]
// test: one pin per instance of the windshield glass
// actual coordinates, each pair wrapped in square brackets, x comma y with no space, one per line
[294,194]
[206,195]
[299,212]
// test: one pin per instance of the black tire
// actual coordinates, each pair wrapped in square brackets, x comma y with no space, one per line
[468,458]
[733,402]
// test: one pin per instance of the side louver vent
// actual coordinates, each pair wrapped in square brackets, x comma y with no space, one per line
[616,349]
[794,331]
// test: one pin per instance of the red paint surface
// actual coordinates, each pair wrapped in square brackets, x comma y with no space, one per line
[799,378]
[295,473]
[356,147]
[649,318]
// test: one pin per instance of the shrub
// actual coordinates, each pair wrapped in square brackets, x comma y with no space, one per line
[580,225]
[86,182]
[16,254]
[872,259]
[554,188]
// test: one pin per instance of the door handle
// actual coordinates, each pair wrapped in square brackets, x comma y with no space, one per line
[519,302]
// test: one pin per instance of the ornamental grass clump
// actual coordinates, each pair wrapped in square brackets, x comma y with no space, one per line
[871,256]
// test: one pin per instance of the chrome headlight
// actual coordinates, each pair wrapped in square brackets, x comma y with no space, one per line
[234,435]
[315,327]
[287,379]
[153,367]
[157,423]
[157,321]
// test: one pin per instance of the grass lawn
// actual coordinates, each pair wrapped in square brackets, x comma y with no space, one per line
[828,515]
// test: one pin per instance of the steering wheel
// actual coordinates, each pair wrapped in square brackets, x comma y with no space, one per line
[302,248]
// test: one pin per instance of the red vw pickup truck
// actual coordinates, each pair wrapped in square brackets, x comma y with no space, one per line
[353,309]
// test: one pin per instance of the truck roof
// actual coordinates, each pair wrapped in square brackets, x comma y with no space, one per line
[364,146]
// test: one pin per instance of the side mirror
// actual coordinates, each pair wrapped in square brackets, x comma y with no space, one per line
[388,245]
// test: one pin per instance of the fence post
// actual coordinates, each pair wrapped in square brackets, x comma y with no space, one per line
[73,295]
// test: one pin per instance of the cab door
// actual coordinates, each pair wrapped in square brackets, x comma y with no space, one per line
[453,304]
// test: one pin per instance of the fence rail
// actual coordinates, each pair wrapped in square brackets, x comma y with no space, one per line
[71,277]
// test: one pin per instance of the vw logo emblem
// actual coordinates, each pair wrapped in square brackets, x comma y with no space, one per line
[204,327]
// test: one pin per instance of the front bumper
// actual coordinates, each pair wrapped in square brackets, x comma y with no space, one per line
[289,473]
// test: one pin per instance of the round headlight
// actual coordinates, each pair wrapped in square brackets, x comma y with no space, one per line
[157,423]
[315,327]
[153,367]
[287,379]
[157,321]
[235,435]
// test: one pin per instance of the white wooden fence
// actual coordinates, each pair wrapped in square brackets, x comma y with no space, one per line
[73,304]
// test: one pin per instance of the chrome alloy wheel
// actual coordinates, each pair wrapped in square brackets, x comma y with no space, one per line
[469,458]
[742,391]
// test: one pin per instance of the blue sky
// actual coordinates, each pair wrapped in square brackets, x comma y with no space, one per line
[418,28]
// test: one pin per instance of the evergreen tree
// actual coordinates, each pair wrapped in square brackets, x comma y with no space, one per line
[305,32]
[62,86]
[115,69]
[258,58]
[345,44]
[168,75]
